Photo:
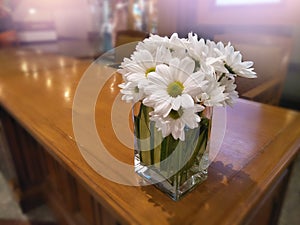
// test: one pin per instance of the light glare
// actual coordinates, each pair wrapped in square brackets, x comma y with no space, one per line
[32,11]
[245,2]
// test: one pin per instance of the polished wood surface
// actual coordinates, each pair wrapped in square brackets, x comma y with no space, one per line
[260,143]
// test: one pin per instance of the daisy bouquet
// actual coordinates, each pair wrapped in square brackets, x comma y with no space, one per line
[174,83]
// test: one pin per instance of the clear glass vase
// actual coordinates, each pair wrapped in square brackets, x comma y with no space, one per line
[173,166]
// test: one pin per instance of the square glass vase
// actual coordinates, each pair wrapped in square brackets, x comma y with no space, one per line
[175,167]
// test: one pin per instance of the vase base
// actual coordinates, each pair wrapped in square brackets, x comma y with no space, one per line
[172,189]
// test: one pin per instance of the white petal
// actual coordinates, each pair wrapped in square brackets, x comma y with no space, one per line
[187,65]
[187,101]
[176,103]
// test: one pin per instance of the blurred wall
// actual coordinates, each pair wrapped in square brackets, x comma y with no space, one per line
[284,13]
[206,19]
[283,19]
[71,18]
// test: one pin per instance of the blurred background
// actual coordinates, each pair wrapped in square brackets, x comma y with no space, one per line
[88,28]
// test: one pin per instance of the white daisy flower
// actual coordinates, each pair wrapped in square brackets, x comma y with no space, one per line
[196,83]
[131,92]
[123,70]
[180,77]
[177,46]
[170,86]
[230,87]
[204,54]
[176,121]
[215,60]
[233,61]
[174,44]
[141,62]
[214,94]
[150,44]
[136,70]
[197,49]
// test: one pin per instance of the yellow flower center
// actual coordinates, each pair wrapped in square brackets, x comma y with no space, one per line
[151,69]
[176,114]
[175,88]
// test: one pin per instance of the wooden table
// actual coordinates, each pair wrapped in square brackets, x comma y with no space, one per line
[246,180]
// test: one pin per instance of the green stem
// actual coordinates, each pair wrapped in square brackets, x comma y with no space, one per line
[154,149]
[221,77]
